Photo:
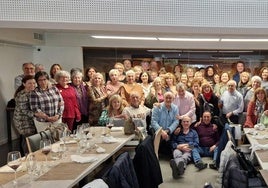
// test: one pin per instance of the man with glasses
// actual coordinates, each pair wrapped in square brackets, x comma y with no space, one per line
[232,103]
[28,69]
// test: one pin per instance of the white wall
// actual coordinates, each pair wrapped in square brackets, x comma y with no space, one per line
[68,57]
[11,61]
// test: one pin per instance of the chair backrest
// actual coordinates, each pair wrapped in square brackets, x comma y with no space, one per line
[33,142]
[157,138]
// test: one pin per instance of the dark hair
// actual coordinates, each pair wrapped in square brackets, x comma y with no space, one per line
[39,74]
[149,77]
[51,69]
[23,81]
[86,77]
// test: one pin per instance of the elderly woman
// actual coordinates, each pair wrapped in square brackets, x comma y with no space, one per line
[114,110]
[71,110]
[249,93]
[97,94]
[130,86]
[256,107]
[120,67]
[81,90]
[156,94]
[244,82]
[114,85]
[46,102]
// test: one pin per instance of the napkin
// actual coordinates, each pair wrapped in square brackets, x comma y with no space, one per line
[109,139]
[80,159]
[96,183]
[7,169]
[116,129]
[260,137]
[259,127]
[255,146]
[100,150]
[251,131]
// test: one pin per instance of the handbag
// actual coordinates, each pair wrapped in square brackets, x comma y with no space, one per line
[56,129]
[264,120]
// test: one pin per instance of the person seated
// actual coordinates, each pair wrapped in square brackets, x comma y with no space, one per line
[185,143]
[114,110]
[136,111]
[208,138]
[164,115]
[256,107]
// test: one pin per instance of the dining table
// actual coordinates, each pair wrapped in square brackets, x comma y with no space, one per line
[256,138]
[66,172]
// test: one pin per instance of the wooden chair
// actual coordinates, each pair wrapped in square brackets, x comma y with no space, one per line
[157,138]
[33,142]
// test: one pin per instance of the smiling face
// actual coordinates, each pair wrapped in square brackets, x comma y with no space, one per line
[135,100]
[130,78]
[30,85]
[144,77]
[206,117]
[116,104]
[77,80]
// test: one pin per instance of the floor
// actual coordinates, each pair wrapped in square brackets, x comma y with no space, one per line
[192,177]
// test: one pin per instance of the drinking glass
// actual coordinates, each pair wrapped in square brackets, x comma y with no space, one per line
[31,164]
[14,161]
[109,124]
[64,136]
[45,146]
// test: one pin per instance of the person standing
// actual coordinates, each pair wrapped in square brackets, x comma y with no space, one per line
[28,69]
[23,115]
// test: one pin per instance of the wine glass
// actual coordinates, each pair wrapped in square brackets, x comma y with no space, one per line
[14,161]
[64,135]
[109,124]
[31,164]
[45,146]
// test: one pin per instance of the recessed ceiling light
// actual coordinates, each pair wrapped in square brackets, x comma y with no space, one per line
[171,51]
[244,40]
[124,37]
[191,39]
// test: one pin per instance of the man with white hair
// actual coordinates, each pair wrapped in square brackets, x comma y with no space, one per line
[164,116]
[232,103]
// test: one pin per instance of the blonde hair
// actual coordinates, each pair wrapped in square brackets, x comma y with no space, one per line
[110,106]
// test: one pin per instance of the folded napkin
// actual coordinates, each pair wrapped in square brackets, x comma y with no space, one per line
[260,137]
[255,146]
[259,127]
[251,131]
[7,169]
[80,159]
[100,150]
[117,129]
[109,139]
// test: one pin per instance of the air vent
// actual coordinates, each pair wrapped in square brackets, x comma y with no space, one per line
[38,36]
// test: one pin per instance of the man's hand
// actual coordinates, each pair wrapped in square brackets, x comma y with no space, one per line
[212,148]
[164,135]
[177,130]
[184,147]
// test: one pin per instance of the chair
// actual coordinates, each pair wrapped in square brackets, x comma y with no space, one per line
[33,142]
[157,138]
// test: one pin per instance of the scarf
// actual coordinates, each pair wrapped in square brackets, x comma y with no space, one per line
[208,96]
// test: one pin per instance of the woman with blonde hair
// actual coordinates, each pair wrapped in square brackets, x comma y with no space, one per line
[256,107]
[114,110]
[170,83]
[244,83]
[121,69]
[97,94]
[113,85]
[156,94]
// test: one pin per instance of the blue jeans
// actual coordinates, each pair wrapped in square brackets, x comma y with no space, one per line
[195,155]
[204,152]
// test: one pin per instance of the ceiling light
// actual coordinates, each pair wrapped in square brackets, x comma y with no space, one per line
[191,39]
[244,40]
[235,51]
[124,37]
[171,51]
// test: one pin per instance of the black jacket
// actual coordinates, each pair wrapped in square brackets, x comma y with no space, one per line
[146,165]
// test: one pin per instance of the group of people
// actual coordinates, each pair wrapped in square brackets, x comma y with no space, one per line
[183,103]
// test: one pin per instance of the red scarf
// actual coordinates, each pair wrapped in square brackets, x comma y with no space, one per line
[207,96]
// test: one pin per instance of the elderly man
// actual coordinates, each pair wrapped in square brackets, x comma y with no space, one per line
[185,143]
[164,116]
[28,69]
[136,111]
[232,103]
[208,138]
[184,100]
